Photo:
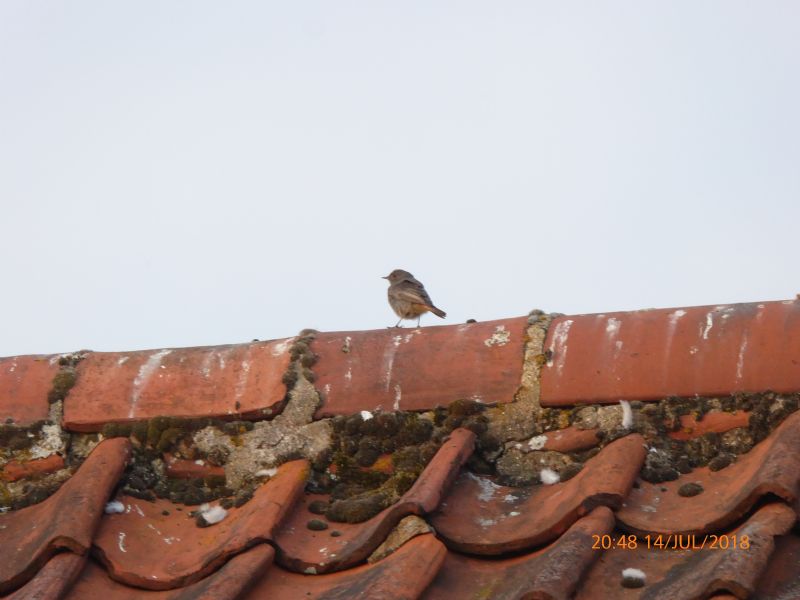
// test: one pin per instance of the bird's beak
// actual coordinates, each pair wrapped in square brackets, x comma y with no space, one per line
[386,277]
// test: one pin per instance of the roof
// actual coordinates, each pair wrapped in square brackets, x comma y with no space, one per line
[644,454]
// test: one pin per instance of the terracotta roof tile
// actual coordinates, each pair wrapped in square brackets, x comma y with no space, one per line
[417,369]
[481,517]
[142,547]
[692,573]
[570,439]
[552,572]
[651,354]
[24,384]
[781,578]
[15,470]
[229,582]
[303,549]
[716,421]
[402,575]
[504,542]
[53,580]
[771,467]
[66,520]
[215,381]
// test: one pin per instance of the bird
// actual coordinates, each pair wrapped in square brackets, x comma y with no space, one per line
[408,297]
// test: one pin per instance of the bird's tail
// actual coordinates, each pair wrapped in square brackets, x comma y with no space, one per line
[437,311]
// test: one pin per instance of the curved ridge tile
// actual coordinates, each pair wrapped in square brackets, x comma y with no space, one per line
[552,572]
[419,369]
[24,384]
[402,575]
[692,573]
[53,579]
[67,519]
[481,517]
[211,381]
[144,548]
[771,467]
[232,580]
[306,551]
[652,354]
[781,579]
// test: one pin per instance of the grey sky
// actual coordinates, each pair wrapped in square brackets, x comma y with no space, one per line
[192,173]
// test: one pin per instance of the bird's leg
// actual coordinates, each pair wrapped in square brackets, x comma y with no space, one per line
[418,318]
[398,322]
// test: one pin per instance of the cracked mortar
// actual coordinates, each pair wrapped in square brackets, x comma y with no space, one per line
[292,434]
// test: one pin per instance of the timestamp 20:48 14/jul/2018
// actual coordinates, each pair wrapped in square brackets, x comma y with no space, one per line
[672,541]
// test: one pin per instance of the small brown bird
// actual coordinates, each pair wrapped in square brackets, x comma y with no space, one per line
[408,297]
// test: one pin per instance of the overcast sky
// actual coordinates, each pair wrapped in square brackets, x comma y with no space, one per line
[199,173]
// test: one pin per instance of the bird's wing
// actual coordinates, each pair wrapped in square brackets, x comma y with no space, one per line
[412,292]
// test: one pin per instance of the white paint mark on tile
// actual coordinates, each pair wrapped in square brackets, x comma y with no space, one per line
[486,488]
[366,415]
[709,324]
[558,347]
[612,327]
[121,542]
[244,374]
[500,337]
[349,375]
[398,393]
[143,376]
[740,358]
[388,360]
[282,347]
[122,360]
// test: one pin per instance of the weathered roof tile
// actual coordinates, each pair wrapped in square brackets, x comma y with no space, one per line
[24,384]
[481,517]
[418,369]
[142,547]
[771,467]
[216,381]
[652,354]
[66,520]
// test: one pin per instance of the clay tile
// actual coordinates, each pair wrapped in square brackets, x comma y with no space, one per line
[15,470]
[402,575]
[695,572]
[182,468]
[303,550]
[771,467]
[144,548]
[781,579]
[715,421]
[24,384]
[570,439]
[230,582]
[53,579]
[481,517]
[652,354]
[552,572]
[214,381]
[418,369]
[67,519]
